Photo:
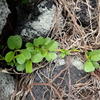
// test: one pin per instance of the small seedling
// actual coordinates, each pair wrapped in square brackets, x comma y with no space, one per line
[92,61]
[34,52]
[41,48]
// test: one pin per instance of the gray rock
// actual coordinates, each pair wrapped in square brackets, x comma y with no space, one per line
[40,25]
[59,61]
[43,91]
[4,12]
[77,62]
[7,86]
[75,75]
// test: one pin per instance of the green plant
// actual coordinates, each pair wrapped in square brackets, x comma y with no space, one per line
[33,53]
[92,61]
[42,48]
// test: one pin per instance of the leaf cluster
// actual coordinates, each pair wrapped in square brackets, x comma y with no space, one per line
[34,52]
[42,48]
[92,61]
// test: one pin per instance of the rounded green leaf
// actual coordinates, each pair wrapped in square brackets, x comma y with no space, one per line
[88,66]
[94,52]
[30,49]
[29,44]
[51,56]
[47,41]
[96,65]
[95,57]
[14,42]
[52,46]
[43,51]
[27,54]
[20,59]
[20,67]
[36,58]
[9,56]
[28,67]
[38,41]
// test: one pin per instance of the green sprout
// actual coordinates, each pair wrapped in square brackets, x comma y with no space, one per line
[92,61]
[42,48]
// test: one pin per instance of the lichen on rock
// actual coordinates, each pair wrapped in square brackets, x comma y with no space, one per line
[42,23]
[7,86]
